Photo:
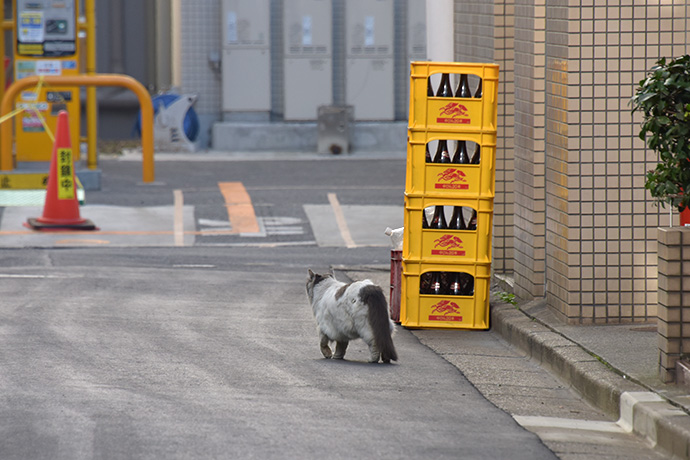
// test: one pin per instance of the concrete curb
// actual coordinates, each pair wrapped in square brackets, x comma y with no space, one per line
[639,410]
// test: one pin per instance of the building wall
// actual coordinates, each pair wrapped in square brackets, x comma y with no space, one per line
[200,42]
[530,145]
[484,33]
[601,222]
[571,171]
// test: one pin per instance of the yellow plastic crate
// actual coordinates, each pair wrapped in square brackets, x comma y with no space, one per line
[447,246]
[445,311]
[441,113]
[450,179]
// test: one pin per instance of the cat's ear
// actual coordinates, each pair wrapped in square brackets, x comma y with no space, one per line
[311,273]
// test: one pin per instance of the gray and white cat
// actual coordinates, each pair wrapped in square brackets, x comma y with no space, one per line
[346,312]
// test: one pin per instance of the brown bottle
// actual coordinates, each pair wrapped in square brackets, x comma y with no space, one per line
[472,224]
[467,284]
[463,87]
[455,287]
[442,155]
[476,157]
[444,89]
[425,223]
[425,283]
[436,286]
[439,220]
[457,220]
[428,154]
[478,93]
[461,156]
[429,89]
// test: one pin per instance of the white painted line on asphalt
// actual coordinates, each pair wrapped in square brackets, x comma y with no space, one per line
[340,220]
[193,266]
[4,275]
[178,222]
[260,245]
[214,223]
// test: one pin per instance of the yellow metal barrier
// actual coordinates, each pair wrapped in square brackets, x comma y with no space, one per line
[6,161]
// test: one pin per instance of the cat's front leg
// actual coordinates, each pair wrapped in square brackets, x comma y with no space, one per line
[325,349]
[340,348]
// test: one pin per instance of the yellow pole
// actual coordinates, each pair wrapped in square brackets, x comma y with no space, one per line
[6,25]
[3,77]
[137,88]
[91,102]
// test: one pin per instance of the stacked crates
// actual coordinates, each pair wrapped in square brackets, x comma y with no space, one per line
[447,272]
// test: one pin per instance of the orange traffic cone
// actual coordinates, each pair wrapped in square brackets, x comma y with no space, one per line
[61,208]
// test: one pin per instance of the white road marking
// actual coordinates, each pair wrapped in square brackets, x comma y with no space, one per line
[213,223]
[178,219]
[193,266]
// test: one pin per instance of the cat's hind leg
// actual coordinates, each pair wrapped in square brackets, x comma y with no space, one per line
[325,349]
[374,354]
[340,348]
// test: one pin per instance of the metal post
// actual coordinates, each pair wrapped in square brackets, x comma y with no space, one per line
[91,101]
[82,80]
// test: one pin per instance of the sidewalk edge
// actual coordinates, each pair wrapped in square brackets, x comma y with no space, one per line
[658,421]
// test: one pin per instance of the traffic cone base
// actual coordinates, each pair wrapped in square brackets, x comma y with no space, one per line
[39,224]
[61,208]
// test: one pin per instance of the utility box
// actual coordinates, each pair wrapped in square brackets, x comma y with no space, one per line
[369,58]
[246,60]
[334,129]
[308,58]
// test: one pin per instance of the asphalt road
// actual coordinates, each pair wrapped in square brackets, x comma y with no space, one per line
[118,361]
[209,350]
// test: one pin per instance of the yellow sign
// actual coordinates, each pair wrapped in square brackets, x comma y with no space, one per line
[24,181]
[65,174]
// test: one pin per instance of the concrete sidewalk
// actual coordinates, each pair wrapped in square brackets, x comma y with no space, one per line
[614,367]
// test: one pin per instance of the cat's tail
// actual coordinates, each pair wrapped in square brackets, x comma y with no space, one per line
[379,321]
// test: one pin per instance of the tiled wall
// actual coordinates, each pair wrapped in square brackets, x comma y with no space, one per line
[530,145]
[600,221]
[200,36]
[584,226]
[484,33]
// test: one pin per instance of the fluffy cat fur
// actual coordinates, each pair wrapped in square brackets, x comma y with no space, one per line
[346,312]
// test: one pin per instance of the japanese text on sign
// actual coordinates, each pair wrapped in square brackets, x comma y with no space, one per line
[65,174]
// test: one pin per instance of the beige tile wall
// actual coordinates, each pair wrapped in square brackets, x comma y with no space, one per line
[571,166]
[530,140]
[601,223]
[484,33]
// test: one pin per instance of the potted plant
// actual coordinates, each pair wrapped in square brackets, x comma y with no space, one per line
[664,100]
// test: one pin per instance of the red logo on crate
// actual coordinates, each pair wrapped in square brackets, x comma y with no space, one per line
[451,244]
[453,179]
[447,311]
[453,112]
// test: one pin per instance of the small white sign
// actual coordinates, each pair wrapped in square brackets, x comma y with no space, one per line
[48,68]
[30,28]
